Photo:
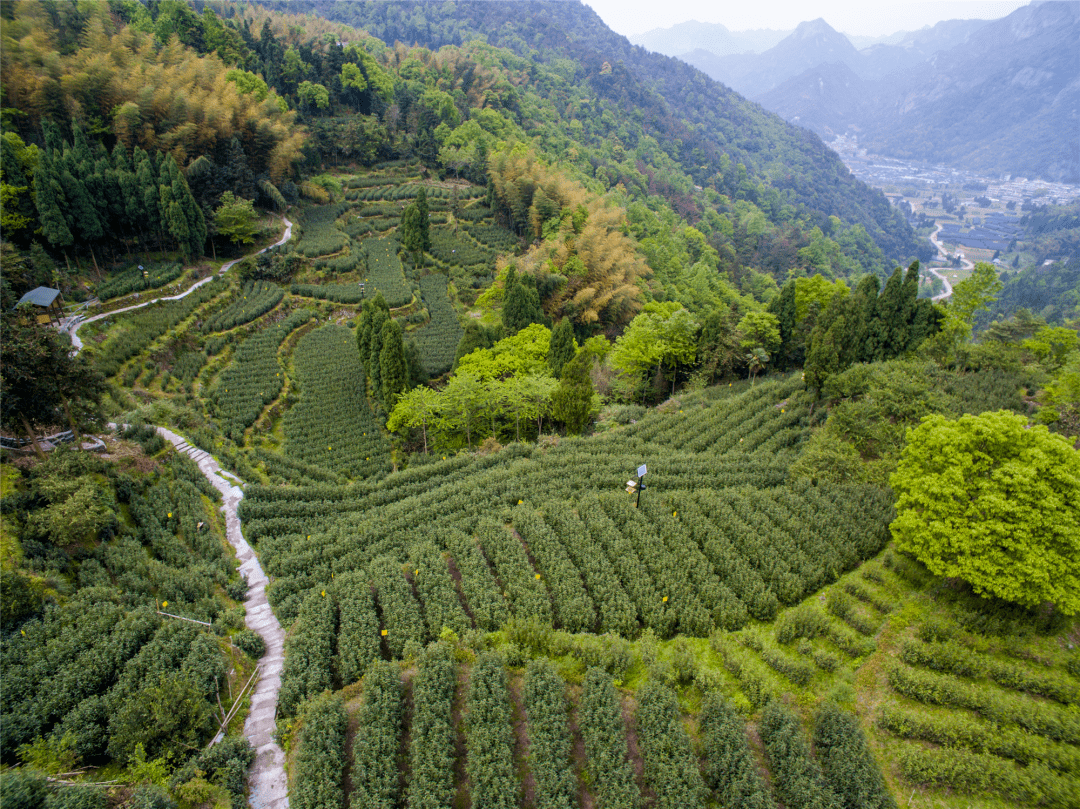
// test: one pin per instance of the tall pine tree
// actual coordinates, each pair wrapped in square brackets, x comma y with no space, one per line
[562,346]
[393,369]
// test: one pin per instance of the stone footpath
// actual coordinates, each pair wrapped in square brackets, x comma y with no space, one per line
[268,785]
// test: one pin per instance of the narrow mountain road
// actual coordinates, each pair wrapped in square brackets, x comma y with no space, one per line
[965,264]
[268,784]
[71,325]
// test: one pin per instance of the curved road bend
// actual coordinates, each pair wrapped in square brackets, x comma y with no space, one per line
[268,784]
[72,326]
[964,263]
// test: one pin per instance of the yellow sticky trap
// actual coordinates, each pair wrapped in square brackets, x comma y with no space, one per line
[665,599]
[538,575]
[383,633]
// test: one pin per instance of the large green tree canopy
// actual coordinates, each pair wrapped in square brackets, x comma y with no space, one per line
[996,502]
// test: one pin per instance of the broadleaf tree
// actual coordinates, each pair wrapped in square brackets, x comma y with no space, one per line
[995,502]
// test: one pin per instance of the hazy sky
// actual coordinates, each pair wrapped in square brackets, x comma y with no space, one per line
[859,17]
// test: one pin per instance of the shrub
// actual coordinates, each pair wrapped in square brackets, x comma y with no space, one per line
[846,761]
[320,761]
[549,735]
[797,777]
[489,736]
[730,770]
[375,778]
[604,734]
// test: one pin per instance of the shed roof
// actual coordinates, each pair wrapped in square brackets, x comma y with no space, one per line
[42,296]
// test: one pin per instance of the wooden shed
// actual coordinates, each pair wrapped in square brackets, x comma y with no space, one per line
[49,303]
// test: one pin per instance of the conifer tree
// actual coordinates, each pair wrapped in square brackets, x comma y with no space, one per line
[393,371]
[51,202]
[475,336]
[572,403]
[379,318]
[364,331]
[783,306]
[521,303]
[562,346]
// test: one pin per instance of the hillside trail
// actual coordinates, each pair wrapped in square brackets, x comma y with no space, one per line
[72,325]
[268,786]
[964,263]
[267,781]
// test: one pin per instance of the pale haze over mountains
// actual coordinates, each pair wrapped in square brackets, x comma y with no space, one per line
[994,96]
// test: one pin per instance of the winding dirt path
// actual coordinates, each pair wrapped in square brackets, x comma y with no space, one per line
[267,782]
[964,263]
[72,325]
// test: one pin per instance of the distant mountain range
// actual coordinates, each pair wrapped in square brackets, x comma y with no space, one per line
[998,97]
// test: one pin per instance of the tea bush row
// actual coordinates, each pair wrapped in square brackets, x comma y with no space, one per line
[1056,722]
[374,775]
[549,735]
[489,736]
[956,729]
[138,329]
[320,758]
[671,767]
[331,426]
[432,733]
[603,732]
[132,279]
[255,300]
[438,339]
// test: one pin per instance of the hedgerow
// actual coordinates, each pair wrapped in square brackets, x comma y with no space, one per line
[489,737]
[253,301]
[671,768]
[549,735]
[846,761]
[430,576]
[376,782]
[358,626]
[309,653]
[730,771]
[401,617]
[1053,721]
[604,734]
[522,587]
[320,757]
[431,752]
[797,777]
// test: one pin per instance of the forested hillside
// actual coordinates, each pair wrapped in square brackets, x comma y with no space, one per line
[694,121]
